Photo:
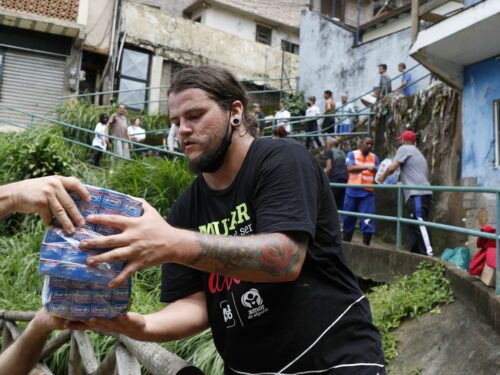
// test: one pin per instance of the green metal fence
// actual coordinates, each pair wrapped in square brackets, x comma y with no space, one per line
[50,121]
[399,219]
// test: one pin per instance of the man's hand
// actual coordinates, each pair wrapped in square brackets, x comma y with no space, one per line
[144,241]
[130,324]
[182,318]
[44,323]
[46,196]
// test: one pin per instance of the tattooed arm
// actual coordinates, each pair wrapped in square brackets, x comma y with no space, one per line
[264,257]
[149,240]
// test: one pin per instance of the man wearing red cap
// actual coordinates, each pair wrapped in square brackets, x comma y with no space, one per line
[414,171]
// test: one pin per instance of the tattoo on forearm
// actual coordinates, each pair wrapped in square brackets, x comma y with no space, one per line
[273,254]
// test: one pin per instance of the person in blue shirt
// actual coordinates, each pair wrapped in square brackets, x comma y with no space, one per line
[407,87]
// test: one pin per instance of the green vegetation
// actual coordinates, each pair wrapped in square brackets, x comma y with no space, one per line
[296,103]
[407,297]
[156,180]
[34,154]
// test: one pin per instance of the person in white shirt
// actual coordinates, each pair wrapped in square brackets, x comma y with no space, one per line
[171,141]
[344,110]
[282,118]
[100,141]
[135,132]
[311,126]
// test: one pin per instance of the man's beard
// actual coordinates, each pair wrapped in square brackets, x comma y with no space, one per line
[211,161]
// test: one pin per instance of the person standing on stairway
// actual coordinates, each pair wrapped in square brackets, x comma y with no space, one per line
[414,171]
[311,126]
[362,164]
[117,127]
[100,141]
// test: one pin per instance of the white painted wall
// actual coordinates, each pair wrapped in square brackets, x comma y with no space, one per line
[99,23]
[232,23]
[83,12]
[328,60]
[242,25]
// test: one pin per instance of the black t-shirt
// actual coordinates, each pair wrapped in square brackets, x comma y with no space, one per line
[321,321]
[339,168]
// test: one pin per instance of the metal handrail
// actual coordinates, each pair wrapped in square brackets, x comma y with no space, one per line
[399,219]
[165,87]
[32,116]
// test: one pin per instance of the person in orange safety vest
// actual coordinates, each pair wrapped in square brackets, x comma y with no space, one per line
[362,166]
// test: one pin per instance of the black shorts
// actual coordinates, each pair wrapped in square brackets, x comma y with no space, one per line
[328,126]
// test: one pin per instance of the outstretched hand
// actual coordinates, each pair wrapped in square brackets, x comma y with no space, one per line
[47,196]
[144,241]
[44,322]
[131,324]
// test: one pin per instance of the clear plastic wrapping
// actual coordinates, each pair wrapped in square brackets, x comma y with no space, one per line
[72,289]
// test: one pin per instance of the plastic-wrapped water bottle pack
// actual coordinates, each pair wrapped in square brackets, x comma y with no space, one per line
[72,289]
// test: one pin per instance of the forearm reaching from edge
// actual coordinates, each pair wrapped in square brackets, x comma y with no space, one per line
[23,354]
[264,257]
[20,357]
[47,196]
[180,319]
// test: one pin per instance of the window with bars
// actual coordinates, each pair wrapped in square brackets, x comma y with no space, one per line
[289,47]
[263,34]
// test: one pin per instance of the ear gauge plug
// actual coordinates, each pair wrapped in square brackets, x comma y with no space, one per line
[236,121]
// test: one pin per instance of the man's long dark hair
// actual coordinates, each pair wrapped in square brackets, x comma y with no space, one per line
[219,84]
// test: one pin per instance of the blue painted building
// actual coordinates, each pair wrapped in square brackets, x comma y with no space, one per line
[480,122]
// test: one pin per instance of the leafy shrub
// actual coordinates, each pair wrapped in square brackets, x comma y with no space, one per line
[35,153]
[79,114]
[159,181]
[407,297]
[38,153]
[296,104]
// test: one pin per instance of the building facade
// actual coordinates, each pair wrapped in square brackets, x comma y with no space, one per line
[156,44]
[52,49]
[274,25]
[462,52]
[330,58]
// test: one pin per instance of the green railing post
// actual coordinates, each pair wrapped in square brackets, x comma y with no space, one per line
[369,122]
[400,214]
[497,276]
[31,122]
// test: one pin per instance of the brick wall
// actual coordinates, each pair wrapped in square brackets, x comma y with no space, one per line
[62,9]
